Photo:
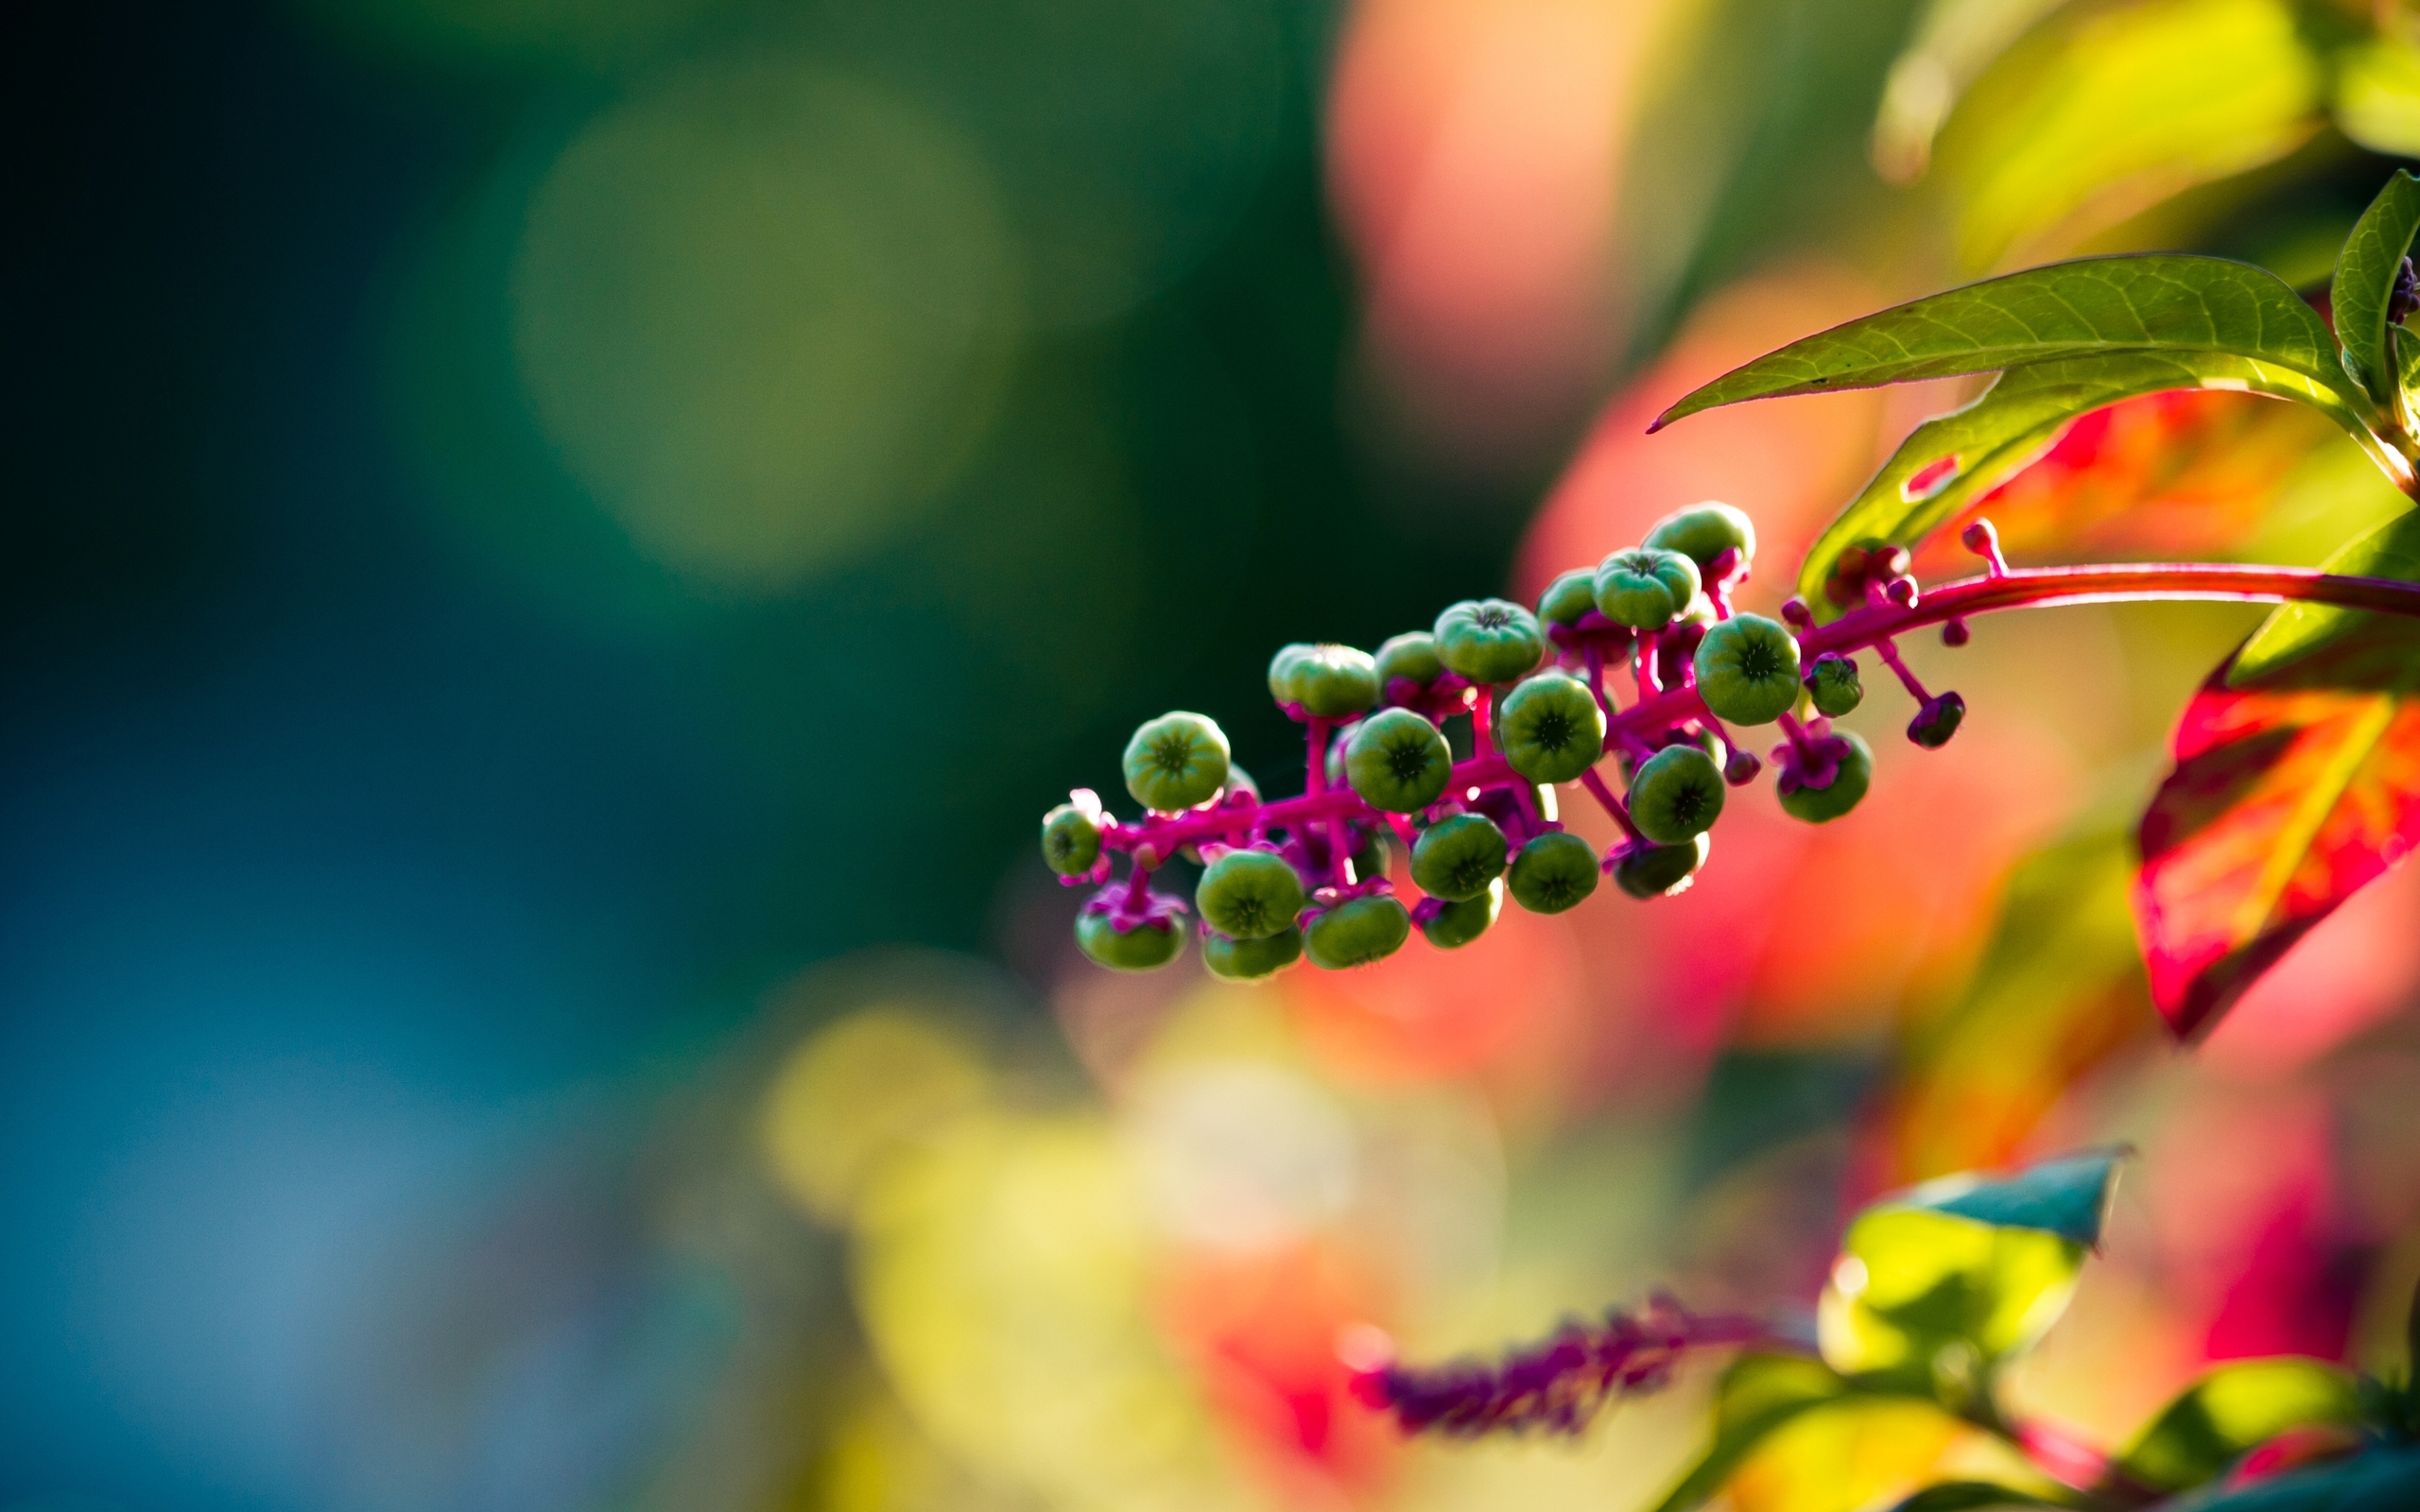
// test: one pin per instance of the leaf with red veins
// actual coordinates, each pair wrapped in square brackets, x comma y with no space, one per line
[2297,782]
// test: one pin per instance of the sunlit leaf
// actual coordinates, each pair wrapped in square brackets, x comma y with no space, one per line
[1845,1456]
[1756,1394]
[2110,109]
[2365,275]
[2090,307]
[2296,783]
[1935,1283]
[2378,95]
[2380,1481]
[2059,990]
[2228,1411]
[1953,42]
[1963,1496]
[1949,462]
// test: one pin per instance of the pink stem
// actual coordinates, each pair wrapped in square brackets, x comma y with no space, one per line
[1605,796]
[1889,652]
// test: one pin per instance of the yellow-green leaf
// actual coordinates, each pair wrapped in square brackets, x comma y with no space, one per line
[2378,95]
[1756,1394]
[2228,1411]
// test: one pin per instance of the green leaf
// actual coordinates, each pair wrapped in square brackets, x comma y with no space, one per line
[1950,460]
[2296,632]
[2380,1481]
[1960,1496]
[2378,95]
[2231,1409]
[1758,1394]
[2365,275]
[2093,306]
[1936,1284]
[1850,1454]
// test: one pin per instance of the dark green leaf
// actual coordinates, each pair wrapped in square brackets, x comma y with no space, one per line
[1758,1394]
[2365,275]
[2380,1481]
[1950,460]
[1960,1496]
[2089,307]
[2066,1196]
[2228,1411]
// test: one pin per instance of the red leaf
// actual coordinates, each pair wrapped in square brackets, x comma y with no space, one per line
[2297,782]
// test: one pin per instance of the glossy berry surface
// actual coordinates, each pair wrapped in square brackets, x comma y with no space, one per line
[1847,772]
[1249,960]
[1327,681]
[1833,685]
[1645,588]
[1550,727]
[1937,721]
[1746,669]
[1144,948]
[1456,858]
[1412,657]
[1457,924]
[1659,871]
[1357,933]
[1677,795]
[1175,762]
[1250,894]
[1489,640]
[1554,871]
[1071,839]
[1397,761]
[1568,597]
[1704,532]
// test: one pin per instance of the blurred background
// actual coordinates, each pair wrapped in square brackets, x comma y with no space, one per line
[560,548]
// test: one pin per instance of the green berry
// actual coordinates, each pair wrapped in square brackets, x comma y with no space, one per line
[1550,727]
[1821,805]
[1832,683]
[1676,796]
[1357,933]
[1144,948]
[1489,641]
[1659,871]
[1568,597]
[1372,860]
[1456,858]
[1705,531]
[1175,762]
[1398,762]
[1071,839]
[1645,586]
[1411,656]
[1458,924]
[1937,720]
[1554,871]
[1248,960]
[1748,669]
[1328,680]
[1248,894]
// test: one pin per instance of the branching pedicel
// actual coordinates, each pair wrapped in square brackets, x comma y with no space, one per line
[1544,698]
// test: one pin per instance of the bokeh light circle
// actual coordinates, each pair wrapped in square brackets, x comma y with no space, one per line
[755,308]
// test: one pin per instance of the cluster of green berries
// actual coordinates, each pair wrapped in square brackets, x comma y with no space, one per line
[1525,693]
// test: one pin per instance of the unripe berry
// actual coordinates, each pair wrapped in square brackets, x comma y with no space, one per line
[1144,948]
[1489,640]
[1659,871]
[1456,858]
[1645,586]
[1411,656]
[1676,796]
[1331,681]
[1071,839]
[1705,531]
[1832,683]
[1375,855]
[1397,762]
[1249,960]
[1458,924]
[1568,597]
[1175,762]
[1746,669]
[1551,728]
[1851,776]
[1249,895]
[1357,933]
[1554,871]
[1937,720]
